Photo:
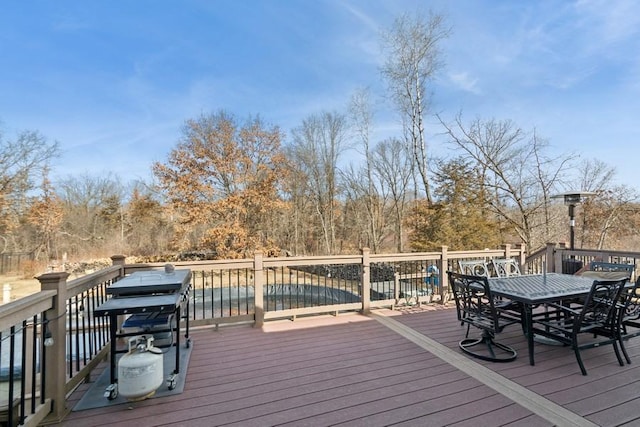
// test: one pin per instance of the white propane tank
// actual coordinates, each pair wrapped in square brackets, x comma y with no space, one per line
[140,371]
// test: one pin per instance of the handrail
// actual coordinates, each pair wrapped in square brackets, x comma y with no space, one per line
[24,308]
[535,255]
[89,281]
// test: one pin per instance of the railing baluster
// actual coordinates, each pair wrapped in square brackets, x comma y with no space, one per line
[34,362]
[23,372]
[12,373]
[69,341]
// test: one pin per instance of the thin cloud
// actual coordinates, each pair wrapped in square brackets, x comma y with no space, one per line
[610,21]
[370,23]
[69,24]
[466,83]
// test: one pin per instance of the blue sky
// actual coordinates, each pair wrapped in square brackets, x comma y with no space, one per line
[113,81]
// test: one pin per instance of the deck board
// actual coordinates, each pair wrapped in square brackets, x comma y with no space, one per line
[352,370]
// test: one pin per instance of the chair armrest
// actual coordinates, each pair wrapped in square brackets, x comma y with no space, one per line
[563,308]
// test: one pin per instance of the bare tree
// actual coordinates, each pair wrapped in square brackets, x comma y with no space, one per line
[360,183]
[317,145]
[366,220]
[22,161]
[45,215]
[609,213]
[391,163]
[92,213]
[518,175]
[413,59]
[297,210]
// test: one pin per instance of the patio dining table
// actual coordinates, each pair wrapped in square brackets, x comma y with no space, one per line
[536,289]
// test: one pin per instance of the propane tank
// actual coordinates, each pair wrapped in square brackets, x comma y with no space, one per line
[140,370]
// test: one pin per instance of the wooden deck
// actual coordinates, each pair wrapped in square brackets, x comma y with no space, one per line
[390,368]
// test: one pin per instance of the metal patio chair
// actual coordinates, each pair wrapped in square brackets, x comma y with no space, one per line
[597,317]
[474,268]
[610,266]
[629,316]
[477,307]
[506,267]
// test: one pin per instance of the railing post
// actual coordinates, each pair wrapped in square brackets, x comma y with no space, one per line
[119,260]
[551,266]
[444,277]
[55,358]
[258,283]
[557,258]
[507,250]
[522,255]
[396,286]
[366,281]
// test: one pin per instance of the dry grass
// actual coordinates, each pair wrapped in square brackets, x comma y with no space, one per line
[16,287]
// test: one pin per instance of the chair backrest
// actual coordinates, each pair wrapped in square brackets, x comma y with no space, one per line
[601,305]
[474,301]
[474,268]
[609,266]
[630,302]
[506,267]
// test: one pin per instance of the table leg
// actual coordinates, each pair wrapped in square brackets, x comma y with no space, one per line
[172,380]
[177,370]
[528,325]
[186,335]
[111,392]
[113,330]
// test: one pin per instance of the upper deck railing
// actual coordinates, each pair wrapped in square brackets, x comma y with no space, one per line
[252,290]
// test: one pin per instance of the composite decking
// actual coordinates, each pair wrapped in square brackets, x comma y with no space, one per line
[400,368]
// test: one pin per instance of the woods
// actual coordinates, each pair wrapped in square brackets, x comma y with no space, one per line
[231,186]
